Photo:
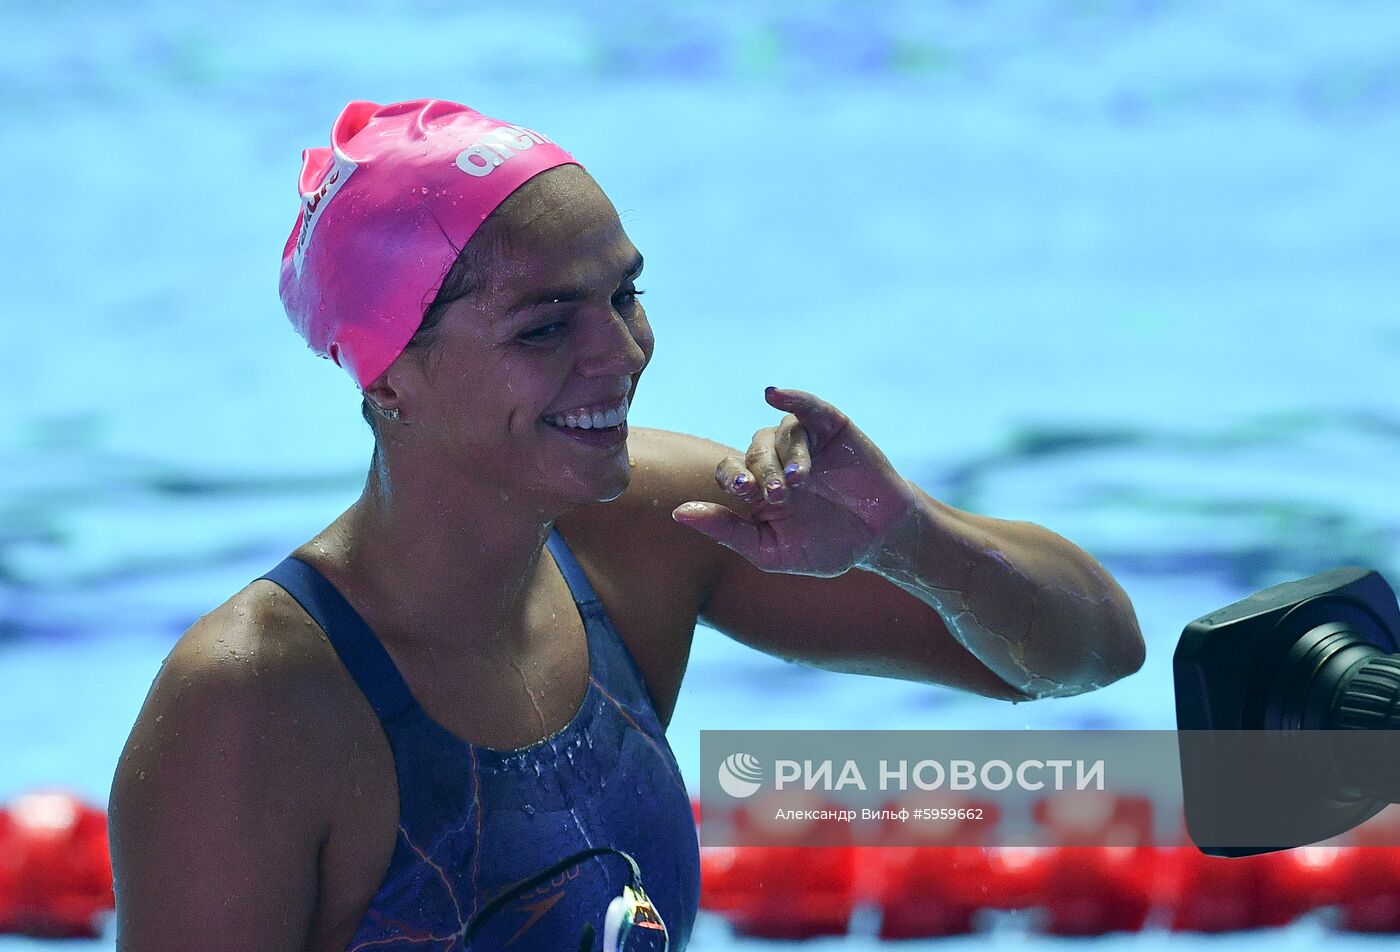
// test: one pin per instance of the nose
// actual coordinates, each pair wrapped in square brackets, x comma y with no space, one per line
[617,347]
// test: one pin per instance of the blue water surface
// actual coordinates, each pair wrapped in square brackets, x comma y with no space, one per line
[1124,268]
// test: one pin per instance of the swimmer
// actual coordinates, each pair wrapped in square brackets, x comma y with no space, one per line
[440,723]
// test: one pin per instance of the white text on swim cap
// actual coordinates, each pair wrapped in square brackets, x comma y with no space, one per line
[481,157]
[313,203]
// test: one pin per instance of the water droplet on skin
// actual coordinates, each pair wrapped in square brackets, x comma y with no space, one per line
[140,775]
[159,718]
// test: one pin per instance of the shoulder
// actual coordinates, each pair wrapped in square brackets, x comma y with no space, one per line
[636,533]
[225,792]
[247,696]
[261,646]
[667,454]
[671,467]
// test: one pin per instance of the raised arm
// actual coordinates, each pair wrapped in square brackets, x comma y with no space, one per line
[893,581]
[215,819]
[1035,609]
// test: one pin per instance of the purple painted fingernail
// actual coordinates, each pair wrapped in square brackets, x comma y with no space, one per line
[774,485]
[790,470]
[741,481]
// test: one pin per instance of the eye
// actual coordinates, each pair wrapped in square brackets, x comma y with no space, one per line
[543,333]
[627,300]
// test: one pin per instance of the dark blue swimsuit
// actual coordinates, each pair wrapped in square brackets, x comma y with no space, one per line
[476,820]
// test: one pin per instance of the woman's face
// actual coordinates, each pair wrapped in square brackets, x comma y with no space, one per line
[556,331]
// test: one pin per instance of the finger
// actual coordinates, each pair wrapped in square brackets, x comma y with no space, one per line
[725,527]
[821,420]
[736,479]
[762,460]
[793,451]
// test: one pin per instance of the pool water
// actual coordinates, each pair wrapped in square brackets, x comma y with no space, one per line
[1126,269]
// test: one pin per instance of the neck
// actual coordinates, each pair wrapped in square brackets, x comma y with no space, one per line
[450,559]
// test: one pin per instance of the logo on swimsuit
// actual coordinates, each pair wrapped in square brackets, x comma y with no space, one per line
[541,899]
[740,775]
[481,157]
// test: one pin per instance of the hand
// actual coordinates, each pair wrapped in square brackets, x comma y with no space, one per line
[820,496]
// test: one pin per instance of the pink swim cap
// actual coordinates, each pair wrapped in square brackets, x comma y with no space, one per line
[384,210]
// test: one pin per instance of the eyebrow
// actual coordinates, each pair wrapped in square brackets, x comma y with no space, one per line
[569,294]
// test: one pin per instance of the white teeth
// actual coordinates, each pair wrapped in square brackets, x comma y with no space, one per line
[598,419]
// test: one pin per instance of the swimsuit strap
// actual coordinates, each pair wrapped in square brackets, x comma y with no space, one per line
[360,651]
[573,573]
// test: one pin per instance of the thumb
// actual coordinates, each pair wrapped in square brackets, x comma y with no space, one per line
[721,524]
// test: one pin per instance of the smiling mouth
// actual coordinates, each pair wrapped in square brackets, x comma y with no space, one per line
[608,417]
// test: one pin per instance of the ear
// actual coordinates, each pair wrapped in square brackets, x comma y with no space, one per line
[382,393]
